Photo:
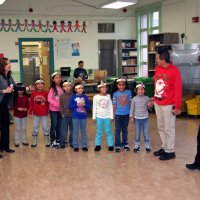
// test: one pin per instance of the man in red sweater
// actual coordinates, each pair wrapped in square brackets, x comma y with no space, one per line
[167,102]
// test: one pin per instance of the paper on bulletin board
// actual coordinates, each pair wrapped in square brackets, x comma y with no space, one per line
[25,61]
[44,60]
[63,48]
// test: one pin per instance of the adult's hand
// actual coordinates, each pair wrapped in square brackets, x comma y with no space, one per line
[8,90]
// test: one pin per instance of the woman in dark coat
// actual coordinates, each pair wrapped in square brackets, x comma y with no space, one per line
[6,89]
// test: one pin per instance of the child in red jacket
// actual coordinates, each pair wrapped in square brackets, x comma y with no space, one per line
[39,109]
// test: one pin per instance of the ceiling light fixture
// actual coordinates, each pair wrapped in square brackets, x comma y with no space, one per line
[2,1]
[116,4]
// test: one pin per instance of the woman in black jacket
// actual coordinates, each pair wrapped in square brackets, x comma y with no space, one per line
[6,89]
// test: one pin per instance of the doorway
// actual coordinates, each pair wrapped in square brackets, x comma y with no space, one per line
[107,56]
[36,60]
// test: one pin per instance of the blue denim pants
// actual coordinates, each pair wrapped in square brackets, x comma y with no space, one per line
[121,124]
[66,124]
[55,125]
[144,125]
[79,123]
[106,124]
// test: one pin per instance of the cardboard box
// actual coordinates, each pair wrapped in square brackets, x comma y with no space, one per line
[100,75]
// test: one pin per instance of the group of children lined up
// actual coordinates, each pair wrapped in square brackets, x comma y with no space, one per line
[68,111]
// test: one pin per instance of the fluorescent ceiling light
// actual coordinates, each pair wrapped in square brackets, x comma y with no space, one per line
[2,1]
[118,4]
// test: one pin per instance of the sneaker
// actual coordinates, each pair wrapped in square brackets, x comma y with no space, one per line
[159,152]
[136,149]
[33,145]
[1,156]
[110,148]
[76,149]
[16,144]
[192,166]
[117,149]
[85,149]
[168,156]
[97,148]
[55,145]
[127,148]
[25,143]
[148,150]
[62,146]
[71,145]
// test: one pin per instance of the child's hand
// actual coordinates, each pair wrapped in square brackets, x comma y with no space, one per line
[21,109]
[131,119]
[30,116]
[81,104]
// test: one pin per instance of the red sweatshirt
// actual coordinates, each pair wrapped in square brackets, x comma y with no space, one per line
[38,103]
[21,102]
[168,86]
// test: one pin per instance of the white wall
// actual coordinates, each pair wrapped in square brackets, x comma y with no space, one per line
[124,29]
[177,17]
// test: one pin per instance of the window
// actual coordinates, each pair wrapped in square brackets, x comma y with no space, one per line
[148,20]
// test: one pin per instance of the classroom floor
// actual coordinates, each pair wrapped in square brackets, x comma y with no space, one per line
[62,174]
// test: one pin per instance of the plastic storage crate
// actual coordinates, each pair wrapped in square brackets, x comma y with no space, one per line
[193,106]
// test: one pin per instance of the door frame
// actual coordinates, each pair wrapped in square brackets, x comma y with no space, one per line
[51,53]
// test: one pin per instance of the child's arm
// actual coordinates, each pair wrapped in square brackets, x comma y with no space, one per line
[72,103]
[132,109]
[61,106]
[114,104]
[94,107]
[111,109]
[87,103]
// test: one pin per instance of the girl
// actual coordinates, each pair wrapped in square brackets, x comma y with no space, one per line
[39,108]
[103,113]
[54,108]
[139,115]
[79,103]
[20,107]
[66,120]
[121,104]
[6,89]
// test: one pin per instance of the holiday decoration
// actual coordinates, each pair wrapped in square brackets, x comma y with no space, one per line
[59,27]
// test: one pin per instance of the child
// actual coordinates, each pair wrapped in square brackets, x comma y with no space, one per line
[121,104]
[103,113]
[139,114]
[39,108]
[79,103]
[20,109]
[54,108]
[66,120]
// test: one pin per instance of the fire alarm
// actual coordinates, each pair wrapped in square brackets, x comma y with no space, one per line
[124,10]
[195,19]
[30,9]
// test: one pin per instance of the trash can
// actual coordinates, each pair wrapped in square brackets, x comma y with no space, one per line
[149,85]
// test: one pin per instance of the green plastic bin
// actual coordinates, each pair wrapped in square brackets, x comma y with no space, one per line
[149,85]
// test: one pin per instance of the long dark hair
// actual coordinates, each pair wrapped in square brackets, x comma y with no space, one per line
[53,85]
[3,62]
[18,87]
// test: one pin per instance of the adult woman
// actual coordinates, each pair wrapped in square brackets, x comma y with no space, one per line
[6,88]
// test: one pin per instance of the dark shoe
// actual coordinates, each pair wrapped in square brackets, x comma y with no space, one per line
[97,148]
[47,145]
[16,145]
[85,149]
[71,146]
[33,145]
[111,148]
[25,143]
[192,166]
[136,149]
[9,150]
[167,156]
[117,149]
[127,148]
[160,152]
[148,150]
[76,149]
[1,156]
[62,146]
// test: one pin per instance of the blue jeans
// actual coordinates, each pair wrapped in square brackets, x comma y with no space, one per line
[106,124]
[36,125]
[66,123]
[144,124]
[82,124]
[121,124]
[55,125]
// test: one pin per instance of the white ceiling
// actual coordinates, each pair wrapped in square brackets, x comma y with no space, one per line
[76,8]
